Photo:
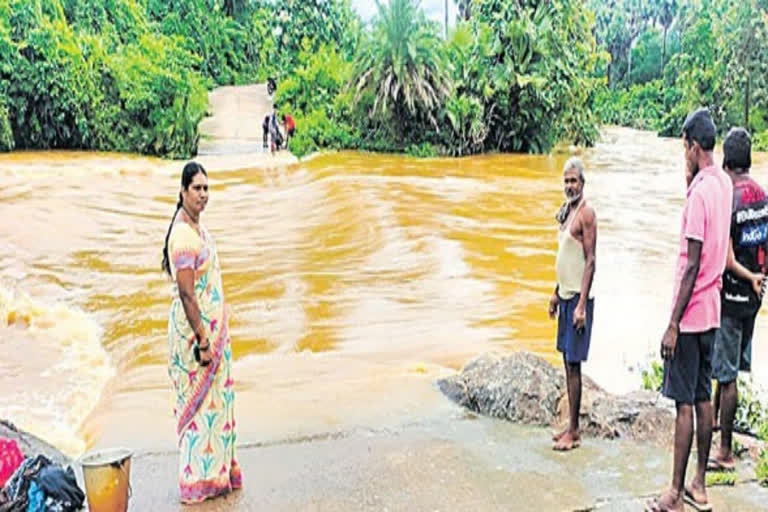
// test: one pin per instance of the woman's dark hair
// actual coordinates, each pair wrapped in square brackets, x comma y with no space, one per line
[191,170]
[699,127]
[737,150]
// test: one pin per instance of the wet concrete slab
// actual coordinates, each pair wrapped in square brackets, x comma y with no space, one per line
[458,463]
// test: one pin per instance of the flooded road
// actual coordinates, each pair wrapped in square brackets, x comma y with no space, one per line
[354,281]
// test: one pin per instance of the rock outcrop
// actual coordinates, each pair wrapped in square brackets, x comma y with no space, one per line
[524,388]
[30,445]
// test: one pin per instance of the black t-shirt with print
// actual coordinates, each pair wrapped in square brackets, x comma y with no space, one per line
[749,231]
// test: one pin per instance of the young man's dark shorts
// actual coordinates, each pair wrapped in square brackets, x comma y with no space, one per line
[688,376]
[574,344]
[733,347]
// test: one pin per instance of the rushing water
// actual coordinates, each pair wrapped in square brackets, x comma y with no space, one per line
[354,280]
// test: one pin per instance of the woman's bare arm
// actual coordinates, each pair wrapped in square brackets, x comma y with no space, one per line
[185,279]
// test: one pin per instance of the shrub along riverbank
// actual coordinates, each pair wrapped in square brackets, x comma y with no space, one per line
[132,75]
[669,57]
[510,77]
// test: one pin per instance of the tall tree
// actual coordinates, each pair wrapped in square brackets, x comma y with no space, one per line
[465,9]
[666,12]
[745,36]
[638,16]
[618,24]
[403,64]
[446,20]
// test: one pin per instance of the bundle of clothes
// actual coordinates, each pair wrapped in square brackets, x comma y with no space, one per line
[36,484]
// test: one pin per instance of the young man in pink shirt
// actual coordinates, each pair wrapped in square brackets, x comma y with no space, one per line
[687,343]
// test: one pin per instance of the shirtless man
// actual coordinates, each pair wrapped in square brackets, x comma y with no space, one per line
[572,301]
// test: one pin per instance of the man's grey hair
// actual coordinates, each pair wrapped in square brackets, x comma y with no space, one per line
[575,163]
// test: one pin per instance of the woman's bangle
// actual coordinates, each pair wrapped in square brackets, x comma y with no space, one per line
[206,347]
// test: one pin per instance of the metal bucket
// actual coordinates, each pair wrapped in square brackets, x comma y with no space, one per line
[107,479]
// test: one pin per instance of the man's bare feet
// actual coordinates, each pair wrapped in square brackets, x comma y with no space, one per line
[568,441]
[558,435]
[670,501]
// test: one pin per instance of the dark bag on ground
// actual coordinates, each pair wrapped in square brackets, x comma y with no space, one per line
[41,485]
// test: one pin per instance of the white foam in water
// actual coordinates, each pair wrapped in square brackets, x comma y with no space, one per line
[53,368]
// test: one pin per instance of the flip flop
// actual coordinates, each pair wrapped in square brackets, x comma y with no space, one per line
[715,465]
[653,505]
[689,499]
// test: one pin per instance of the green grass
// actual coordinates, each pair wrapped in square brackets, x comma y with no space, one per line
[653,377]
[761,470]
[721,478]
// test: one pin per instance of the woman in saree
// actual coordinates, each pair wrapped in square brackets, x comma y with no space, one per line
[200,363]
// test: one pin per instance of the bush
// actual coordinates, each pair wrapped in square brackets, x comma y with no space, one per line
[290,23]
[751,414]
[533,69]
[314,94]
[6,133]
[721,478]
[162,100]
[761,470]
[232,47]
[67,86]
[315,82]
[423,150]
[653,377]
[760,141]
[640,106]
[302,144]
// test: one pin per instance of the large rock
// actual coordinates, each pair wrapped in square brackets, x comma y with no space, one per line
[524,388]
[30,445]
[518,388]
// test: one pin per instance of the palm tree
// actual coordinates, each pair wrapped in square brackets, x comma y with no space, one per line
[446,20]
[403,63]
[666,12]
[465,9]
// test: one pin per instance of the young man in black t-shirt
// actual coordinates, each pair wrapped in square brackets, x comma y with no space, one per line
[742,288]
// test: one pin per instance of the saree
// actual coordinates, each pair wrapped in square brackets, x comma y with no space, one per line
[204,395]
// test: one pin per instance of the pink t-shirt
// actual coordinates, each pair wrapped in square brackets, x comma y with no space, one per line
[706,217]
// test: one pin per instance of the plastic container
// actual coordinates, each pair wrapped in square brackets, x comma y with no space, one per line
[107,476]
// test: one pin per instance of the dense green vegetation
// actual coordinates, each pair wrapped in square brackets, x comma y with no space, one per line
[95,78]
[131,75]
[668,57]
[512,76]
